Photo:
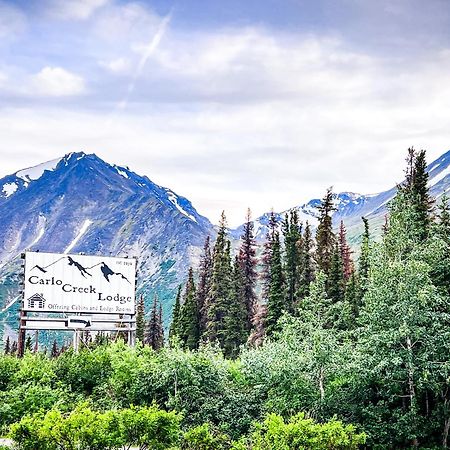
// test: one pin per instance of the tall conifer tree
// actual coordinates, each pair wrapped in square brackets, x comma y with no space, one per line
[204,284]
[276,304]
[218,300]
[7,346]
[336,281]
[140,319]
[174,331]
[325,238]
[306,269]
[346,253]
[267,256]
[292,235]
[236,317]
[247,261]
[189,326]
[154,335]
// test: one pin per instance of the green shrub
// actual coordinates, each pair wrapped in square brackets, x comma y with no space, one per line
[300,433]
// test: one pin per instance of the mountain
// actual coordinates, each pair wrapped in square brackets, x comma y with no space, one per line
[80,203]
[352,206]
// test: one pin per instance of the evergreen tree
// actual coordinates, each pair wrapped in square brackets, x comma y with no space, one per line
[346,253]
[276,303]
[174,332]
[363,270]
[292,238]
[7,346]
[247,260]
[13,348]
[154,335]
[267,256]
[219,295]
[306,268]
[204,284]
[417,192]
[28,344]
[336,280]
[325,238]
[235,321]
[54,353]
[140,319]
[189,326]
[441,272]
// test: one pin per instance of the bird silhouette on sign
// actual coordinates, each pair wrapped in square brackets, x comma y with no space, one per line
[82,270]
[107,272]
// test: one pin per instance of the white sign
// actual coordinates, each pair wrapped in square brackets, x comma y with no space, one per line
[79,283]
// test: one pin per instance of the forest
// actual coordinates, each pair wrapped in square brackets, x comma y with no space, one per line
[298,345]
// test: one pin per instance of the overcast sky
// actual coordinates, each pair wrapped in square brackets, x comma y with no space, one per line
[236,103]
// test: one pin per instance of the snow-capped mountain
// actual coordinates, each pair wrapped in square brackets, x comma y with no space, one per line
[350,207]
[80,203]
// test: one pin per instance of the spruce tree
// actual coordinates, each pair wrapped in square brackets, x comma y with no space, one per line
[417,192]
[247,261]
[267,256]
[336,281]
[7,346]
[236,317]
[306,268]
[54,353]
[363,269]
[204,284]
[154,335]
[189,326]
[28,344]
[325,238]
[218,300]
[140,319]
[276,303]
[292,235]
[346,253]
[13,348]
[174,332]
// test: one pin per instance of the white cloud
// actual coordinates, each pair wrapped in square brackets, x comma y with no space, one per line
[74,9]
[57,82]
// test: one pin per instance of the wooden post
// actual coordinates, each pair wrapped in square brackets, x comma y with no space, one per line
[21,338]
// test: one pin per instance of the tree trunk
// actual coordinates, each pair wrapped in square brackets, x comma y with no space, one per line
[321,388]
[411,388]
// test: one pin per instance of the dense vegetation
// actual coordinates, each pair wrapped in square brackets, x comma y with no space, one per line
[366,343]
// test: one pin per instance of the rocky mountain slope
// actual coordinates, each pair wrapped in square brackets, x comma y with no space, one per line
[80,203]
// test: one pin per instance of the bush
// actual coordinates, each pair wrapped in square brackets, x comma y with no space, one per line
[84,429]
[300,433]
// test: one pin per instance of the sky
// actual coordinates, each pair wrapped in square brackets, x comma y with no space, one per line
[232,104]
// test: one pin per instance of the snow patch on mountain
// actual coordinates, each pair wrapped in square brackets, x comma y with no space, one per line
[9,189]
[83,230]
[120,171]
[174,200]
[440,176]
[36,172]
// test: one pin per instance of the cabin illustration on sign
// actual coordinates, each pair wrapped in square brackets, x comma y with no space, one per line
[36,301]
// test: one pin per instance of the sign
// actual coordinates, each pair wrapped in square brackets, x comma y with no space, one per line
[79,283]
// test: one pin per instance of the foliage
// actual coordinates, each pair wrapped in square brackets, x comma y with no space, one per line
[301,433]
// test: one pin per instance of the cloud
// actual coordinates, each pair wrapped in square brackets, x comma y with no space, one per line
[260,116]
[74,9]
[57,82]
